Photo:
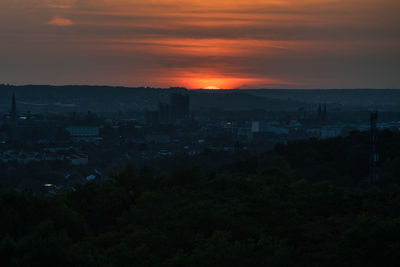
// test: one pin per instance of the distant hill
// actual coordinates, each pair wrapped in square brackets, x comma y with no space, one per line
[241,100]
[39,98]
[383,99]
[42,98]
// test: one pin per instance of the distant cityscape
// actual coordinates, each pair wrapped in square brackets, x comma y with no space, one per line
[78,147]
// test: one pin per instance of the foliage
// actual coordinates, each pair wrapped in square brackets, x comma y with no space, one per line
[278,214]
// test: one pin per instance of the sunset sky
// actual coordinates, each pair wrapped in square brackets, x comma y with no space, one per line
[202,44]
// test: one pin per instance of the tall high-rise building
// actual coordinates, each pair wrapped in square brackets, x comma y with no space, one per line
[319,111]
[176,111]
[179,105]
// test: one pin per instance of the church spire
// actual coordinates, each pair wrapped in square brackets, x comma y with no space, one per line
[13,111]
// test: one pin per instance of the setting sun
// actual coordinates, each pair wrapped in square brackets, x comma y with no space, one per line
[211,87]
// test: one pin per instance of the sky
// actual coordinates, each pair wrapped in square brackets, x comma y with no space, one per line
[202,44]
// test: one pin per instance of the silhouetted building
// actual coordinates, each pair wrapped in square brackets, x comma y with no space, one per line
[13,110]
[322,112]
[319,111]
[263,130]
[88,134]
[179,105]
[164,113]
[152,116]
[176,111]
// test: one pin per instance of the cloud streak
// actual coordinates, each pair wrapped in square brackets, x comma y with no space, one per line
[61,22]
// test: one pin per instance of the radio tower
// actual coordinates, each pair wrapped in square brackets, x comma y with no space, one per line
[374,155]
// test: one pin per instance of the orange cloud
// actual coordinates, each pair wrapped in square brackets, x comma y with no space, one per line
[61,22]
[60,6]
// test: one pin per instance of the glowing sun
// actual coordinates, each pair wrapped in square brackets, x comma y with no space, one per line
[211,87]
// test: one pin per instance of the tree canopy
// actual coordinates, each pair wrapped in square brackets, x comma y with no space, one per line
[301,204]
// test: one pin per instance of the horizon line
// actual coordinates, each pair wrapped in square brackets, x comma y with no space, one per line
[184,88]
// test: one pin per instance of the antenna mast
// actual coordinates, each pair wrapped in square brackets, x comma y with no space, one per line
[374,157]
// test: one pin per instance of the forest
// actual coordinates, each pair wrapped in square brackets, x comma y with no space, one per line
[305,203]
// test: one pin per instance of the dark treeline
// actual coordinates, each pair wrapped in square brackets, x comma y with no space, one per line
[302,204]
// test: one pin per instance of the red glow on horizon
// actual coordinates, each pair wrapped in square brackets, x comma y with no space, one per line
[203,81]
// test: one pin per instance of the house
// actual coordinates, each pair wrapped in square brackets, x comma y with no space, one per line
[78,159]
[89,134]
